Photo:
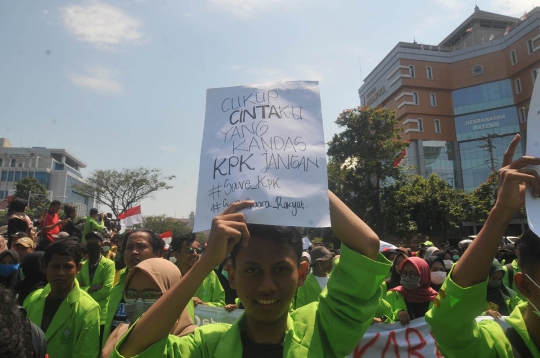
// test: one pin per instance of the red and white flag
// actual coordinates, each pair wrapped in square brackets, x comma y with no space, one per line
[507,30]
[491,37]
[166,236]
[131,216]
[469,29]
[524,17]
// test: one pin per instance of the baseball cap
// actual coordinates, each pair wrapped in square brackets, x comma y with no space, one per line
[427,244]
[95,234]
[25,241]
[320,253]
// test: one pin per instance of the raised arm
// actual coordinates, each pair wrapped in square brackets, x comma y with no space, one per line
[474,266]
[227,230]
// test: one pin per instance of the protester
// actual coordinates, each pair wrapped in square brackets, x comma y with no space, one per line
[106,249]
[185,252]
[68,315]
[91,223]
[511,269]
[140,245]
[96,276]
[431,251]
[51,224]
[34,277]
[414,296]
[446,257]
[317,280]
[437,271]
[501,300]
[72,228]
[23,245]
[507,254]
[266,273]
[395,277]
[18,221]
[9,268]
[463,295]
[13,337]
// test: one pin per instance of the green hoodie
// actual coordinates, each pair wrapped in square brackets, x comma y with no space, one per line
[506,279]
[309,292]
[331,327]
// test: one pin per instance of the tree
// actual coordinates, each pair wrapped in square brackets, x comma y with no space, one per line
[479,202]
[122,190]
[161,223]
[363,159]
[31,188]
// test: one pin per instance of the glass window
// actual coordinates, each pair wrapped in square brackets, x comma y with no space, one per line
[10,176]
[429,72]
[2,193]
[43,178]
[433,99]
[415,98]
[513,57]
[411,71]
[522,115]
[483,97]
[4,176]
[496,121]
[440,158]
[17,176]
[437,126]
[13,163]
[420,125]
[517,82]
[534,74]
[530,46]
[24,175]
[58,166]
[1,162]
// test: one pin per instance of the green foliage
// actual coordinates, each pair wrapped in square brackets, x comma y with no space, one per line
[39,197]
[162,223]
[480,201]
[124,189]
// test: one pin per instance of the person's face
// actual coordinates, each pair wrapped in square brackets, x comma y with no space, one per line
[73,213]
[397,264]
[94,240]
[437,266]
[61,271]
[141,282]
[8,260]
[22,251]
[447,256]
[138,248]
[188,255]
[409,269]
[54,209]
[325,265]
[266,276]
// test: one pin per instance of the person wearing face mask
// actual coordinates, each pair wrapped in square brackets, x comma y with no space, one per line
[501,300]
[431,251]
[395,277]
[97,275]
[9,268]
[437,271]
[144,285]
[463,295]
[447,259]
[321,263]
[414,297]
[106,249]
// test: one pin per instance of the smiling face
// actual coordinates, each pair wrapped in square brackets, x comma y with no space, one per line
[266,275]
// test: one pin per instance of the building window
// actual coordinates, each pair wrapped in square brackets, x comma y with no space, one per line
[534,74]
[1,162]
[415,98]
[411,71]
[530,46]
[420,125]
[433,99]
[477,70]
[4,176]
[517,82]
[437,126]
[13,163]
[513,57]
[429,72]
[523,114]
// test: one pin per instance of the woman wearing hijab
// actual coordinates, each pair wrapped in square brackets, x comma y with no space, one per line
[437,271]
[446,257]
[501,300]
[395,276]
[431,251]
[413,298]
[34,278]
[9,268]
[144,285]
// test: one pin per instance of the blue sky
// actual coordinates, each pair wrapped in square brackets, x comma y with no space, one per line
[123,83]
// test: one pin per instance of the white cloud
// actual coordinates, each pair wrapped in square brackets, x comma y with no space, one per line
[97,79]
[452,5]
[514,8]
[245,8]
[102,25]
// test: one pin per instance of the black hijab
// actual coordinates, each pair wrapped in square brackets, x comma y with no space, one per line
[395,278]
[501,293]
[34,278]
[12,280]
[431,260]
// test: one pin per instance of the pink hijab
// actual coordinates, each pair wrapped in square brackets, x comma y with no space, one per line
[424,293]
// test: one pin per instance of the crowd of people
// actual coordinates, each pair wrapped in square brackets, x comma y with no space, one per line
[80,289]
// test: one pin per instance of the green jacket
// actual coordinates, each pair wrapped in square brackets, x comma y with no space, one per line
[211,291]
[91,225]
[309,292]
[331,327]
[74,330]
[104,275]
[506,279]
[453,324]
[114,301]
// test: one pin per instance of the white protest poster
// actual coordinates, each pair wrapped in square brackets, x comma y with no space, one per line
[264,143]
[533,149]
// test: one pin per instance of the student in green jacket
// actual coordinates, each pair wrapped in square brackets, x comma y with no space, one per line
[266,272]
[97,274]
[318,279]
[91,223]
[68,315]
[463,295]
[511,269]
[185,252]
[139,245]
[501,300]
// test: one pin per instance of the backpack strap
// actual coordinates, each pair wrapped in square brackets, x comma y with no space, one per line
[510,270]
[519,347]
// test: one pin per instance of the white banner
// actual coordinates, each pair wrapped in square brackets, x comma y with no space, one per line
[207,315]
[533,149]
[265,143]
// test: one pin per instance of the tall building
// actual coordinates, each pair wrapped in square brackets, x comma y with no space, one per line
[462,101]
[57,169]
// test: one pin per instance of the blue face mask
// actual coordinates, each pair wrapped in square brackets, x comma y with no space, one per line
[7,270]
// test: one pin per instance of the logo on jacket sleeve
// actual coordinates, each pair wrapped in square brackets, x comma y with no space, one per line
[66,335]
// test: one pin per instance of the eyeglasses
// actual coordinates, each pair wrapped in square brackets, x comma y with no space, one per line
[412,275]
[191,251]
[148,296]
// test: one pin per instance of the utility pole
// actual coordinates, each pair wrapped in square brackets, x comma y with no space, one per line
[489,146]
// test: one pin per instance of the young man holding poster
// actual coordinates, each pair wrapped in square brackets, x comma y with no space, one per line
[266,273]
[463,295]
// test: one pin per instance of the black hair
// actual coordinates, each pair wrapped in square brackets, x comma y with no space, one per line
[93,211]
[178,241]
[157,242]
[66,247]
[17,205]
[55,203]
[68,209]
[529,246]
[289,235]
[13,339]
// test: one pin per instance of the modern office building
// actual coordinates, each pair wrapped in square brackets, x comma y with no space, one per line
[461,101]
[57,169]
